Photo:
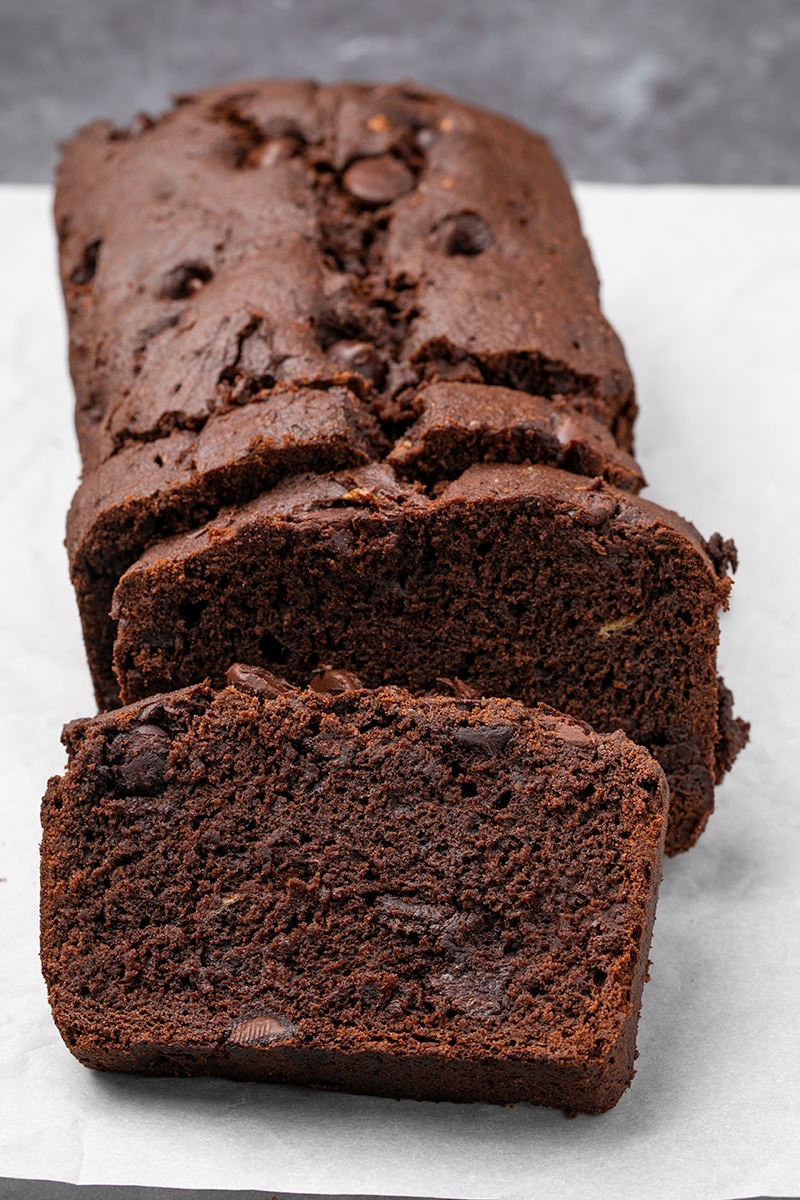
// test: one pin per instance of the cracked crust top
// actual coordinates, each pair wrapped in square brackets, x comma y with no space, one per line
[265,234]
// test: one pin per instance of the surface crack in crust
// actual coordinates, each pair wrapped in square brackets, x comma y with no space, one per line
[530,373]
[363,303]
[238,382]
[168,423]
[238,390]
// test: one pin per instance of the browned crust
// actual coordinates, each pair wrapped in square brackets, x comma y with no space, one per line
[179,192]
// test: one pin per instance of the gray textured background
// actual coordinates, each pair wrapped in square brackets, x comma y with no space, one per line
[703,91]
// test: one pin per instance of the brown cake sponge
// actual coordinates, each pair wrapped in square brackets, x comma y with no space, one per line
[422,897]
[526,581]
[151,490]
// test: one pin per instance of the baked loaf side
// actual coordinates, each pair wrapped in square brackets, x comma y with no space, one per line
[279,233]
[520,580]
[440,899]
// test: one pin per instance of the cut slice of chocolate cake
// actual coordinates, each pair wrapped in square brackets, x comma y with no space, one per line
[423,897]
[149,491]
[525,581]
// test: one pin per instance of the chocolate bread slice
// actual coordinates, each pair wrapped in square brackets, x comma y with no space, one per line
[149,491]
[521,580]
[421,897]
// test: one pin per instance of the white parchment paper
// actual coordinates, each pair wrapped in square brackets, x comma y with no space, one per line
[704,287]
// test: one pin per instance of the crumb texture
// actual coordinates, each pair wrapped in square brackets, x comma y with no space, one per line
[436,898]
[518,580]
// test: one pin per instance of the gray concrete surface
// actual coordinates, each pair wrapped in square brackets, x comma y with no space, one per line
[702,91]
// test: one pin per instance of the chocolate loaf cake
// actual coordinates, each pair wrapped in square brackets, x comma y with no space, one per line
[332,308]
[424,897]
[521,580]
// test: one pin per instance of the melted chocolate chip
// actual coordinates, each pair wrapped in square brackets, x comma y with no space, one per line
[378,180]
[328,680]
[139,759]
[465,233]
[360,357]
[257,682]
[490,739]
[161,712]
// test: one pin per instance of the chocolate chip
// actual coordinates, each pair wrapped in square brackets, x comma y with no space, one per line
[465,233]
[184,279]
[360,357]
[327,680]
[257,682]
[490,739]
[378,180]
[162,712]
[595,509]
[139,759]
